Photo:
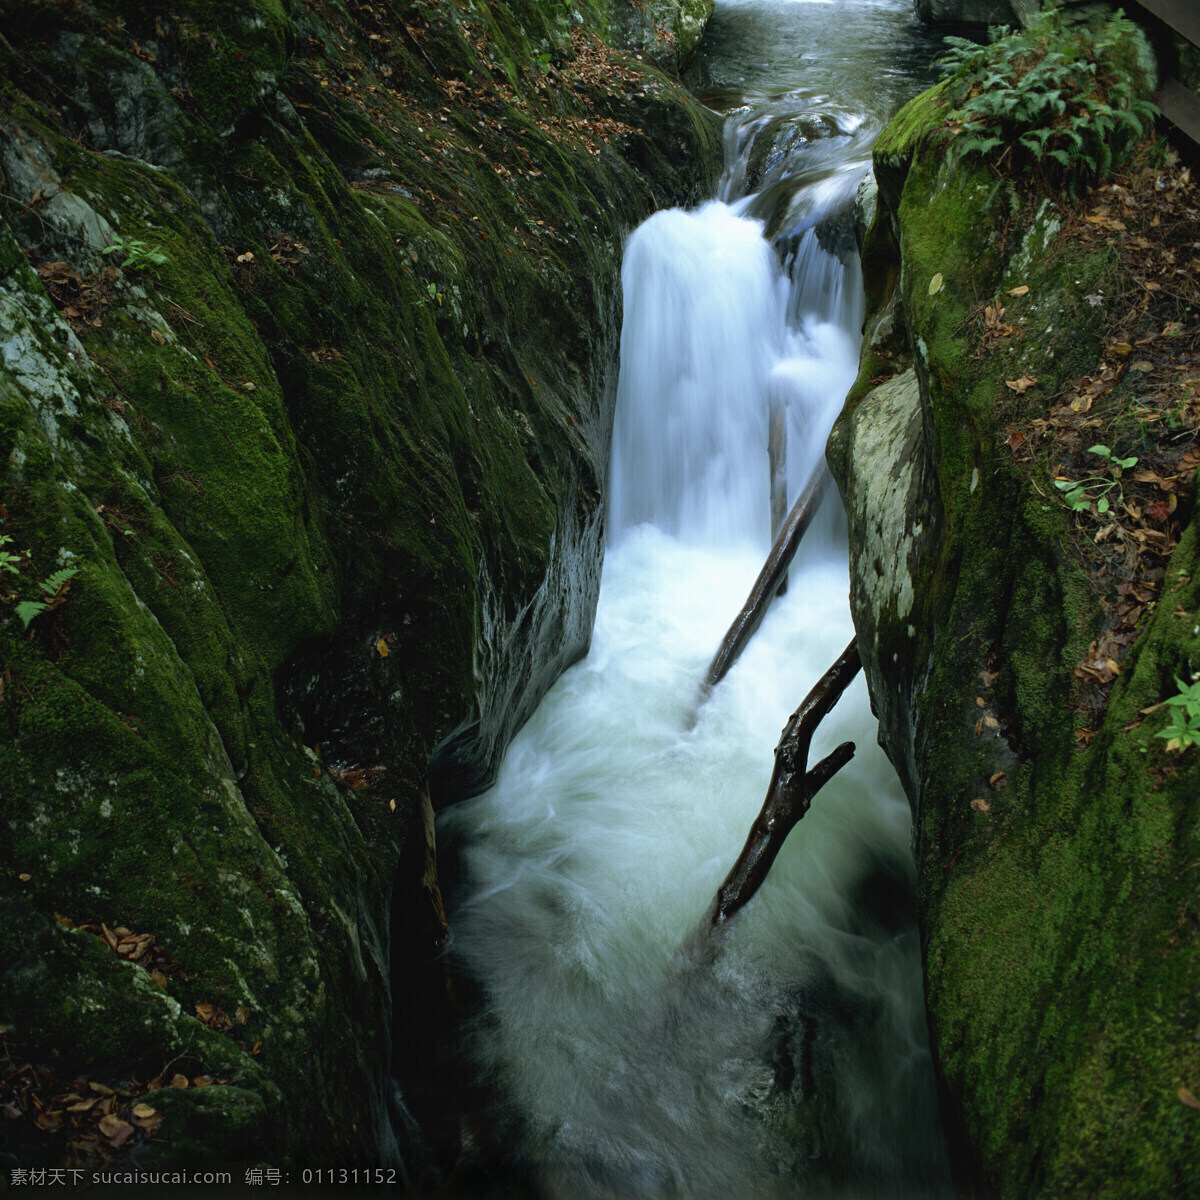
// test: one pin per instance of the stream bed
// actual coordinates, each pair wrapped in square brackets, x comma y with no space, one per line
[796,1063]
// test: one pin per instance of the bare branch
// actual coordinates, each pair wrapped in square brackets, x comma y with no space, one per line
[789,796]
[768,583]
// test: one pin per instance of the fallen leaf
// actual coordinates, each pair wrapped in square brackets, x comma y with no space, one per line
[979,727]
[144,1110]
[1023,290]
[117,1131]
[935,284]
[247,257]
[1121,349]
[1186,1097]
[158,337]
[1142,366]
[101,1089]
[981,806]
[179,1081]
[381,647]
[242,1013]
[995,780]
[1014,439]
[1021,385]
[24,877]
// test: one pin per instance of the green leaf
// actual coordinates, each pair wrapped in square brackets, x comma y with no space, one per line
[28,609]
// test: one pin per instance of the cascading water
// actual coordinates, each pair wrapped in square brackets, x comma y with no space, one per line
[796,1063]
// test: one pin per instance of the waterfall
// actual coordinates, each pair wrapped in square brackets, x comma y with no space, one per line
[796,1065]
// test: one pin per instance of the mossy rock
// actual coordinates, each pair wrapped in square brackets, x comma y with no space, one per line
[1057,912]
[327,456]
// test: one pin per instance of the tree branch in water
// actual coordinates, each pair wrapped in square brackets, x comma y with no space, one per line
[789,796]
[768,583]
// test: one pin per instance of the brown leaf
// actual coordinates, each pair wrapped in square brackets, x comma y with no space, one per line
[205,1011]
[101,1089]
[179,1081]
[981,806]
[1021,385]
[1186,1097]
[158,977]
[242,1013]
[144,1110]
[996,780]
[381,648]
[119,1133]
[1142,366]
[1015,439]
[1023,290]
[158,337]
[1121,349]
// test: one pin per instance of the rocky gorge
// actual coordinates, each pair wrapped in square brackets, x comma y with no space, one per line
[309,315]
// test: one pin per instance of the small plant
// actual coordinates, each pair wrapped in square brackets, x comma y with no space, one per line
[1184,729]
[9,561]
[432,293]
[55,587]
[138,254]
[1080,493]
[1056,96]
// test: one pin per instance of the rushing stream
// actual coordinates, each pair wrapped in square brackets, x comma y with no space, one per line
[796,1063]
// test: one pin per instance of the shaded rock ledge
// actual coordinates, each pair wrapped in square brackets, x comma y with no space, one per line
[323,442]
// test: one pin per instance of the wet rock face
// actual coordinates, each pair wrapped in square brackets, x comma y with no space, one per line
[309,322]
[881,469]
[1050,868]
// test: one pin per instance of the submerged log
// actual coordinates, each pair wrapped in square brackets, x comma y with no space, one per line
[767,585]
[789,796]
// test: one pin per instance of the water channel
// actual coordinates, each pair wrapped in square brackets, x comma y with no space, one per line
[795,1064]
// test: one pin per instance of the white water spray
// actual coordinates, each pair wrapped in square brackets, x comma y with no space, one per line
[796,1064]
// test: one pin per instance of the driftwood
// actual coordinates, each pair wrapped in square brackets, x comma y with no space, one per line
[789,796]
[767,585]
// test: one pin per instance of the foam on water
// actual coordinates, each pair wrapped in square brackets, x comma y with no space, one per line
[615,818]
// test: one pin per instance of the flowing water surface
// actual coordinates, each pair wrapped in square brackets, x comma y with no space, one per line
[796,1063]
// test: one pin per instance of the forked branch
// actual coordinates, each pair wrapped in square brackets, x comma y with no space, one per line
[789,796]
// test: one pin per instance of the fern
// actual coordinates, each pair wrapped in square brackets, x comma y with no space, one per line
[1052,95]
[51,585]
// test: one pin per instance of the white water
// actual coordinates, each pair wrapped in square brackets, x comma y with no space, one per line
[796,1065]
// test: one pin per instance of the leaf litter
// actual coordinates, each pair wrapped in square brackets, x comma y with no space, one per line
[1144,397]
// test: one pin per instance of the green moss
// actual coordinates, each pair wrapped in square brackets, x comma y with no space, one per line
[276,454]
[1059,923]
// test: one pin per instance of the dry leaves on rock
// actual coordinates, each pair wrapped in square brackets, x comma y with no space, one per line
[80,298]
